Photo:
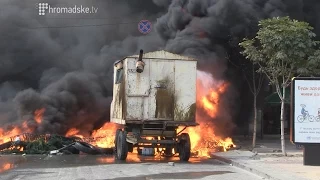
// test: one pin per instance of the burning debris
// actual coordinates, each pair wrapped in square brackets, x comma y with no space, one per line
[102,137]
[71,72]
[69,95]
[204,138]
[20,139]
[52,144]
[33,144]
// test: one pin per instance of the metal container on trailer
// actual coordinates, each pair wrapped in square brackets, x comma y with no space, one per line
[165,90]
[154,94]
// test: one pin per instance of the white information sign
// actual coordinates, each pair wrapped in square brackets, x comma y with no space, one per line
[306,114]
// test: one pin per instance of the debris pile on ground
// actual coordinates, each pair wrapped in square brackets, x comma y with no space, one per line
[52,144]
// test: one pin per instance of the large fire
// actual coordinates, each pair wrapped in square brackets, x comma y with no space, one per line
[18,130]
[6,136]
[204,138]
[103,137]
[210,102]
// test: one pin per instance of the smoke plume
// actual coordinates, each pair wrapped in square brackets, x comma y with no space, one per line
[63,62]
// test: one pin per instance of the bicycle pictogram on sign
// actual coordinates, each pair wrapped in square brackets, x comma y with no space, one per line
[144,26]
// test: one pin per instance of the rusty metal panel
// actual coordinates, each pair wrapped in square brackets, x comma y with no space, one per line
[138,90]
[135,108]
[137,83]
[162,89]
[118,105]
[165,90]
[146,108]
[185,90]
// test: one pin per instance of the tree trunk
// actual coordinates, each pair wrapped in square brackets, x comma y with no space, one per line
[282,121]
[254,121]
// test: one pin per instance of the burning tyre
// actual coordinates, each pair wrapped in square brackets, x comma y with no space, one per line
[86,148]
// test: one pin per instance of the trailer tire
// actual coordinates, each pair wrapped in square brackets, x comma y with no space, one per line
[122,146]
[184,147]
[116,139]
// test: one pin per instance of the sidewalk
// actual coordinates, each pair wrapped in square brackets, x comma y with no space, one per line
[266,160]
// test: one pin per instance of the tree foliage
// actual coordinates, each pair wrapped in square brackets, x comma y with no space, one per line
[283,48]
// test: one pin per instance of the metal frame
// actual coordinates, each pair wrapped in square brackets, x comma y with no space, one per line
[165,141]
[166,123]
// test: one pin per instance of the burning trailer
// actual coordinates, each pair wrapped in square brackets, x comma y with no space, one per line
[154,94]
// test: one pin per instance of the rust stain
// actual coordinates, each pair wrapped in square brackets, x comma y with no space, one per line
[119,99]
[191,114]
[192,110]
[188,114]
[164,100]
[164,104]
[116,102]
[123,98]
[138,81]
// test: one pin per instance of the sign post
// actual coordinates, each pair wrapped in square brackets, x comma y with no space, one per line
[305,117]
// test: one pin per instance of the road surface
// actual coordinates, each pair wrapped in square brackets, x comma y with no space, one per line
[89,167]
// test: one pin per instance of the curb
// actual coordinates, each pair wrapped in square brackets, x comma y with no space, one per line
[244,167]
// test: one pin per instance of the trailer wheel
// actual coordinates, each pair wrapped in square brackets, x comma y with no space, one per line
[122,146]
[116,139]
[184,147]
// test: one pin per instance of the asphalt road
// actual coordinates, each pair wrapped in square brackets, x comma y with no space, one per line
[89,167]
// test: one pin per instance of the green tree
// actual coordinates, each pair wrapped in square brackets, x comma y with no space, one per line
[283,48]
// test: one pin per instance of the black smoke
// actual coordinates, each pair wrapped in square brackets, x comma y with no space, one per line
[63,63]
[46,62]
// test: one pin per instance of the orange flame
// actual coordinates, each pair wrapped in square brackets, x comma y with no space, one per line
[74,132]
[203,137]
[38,115]
[21,149]
[16,131]
[210,101]
[5,136]
[103,137]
